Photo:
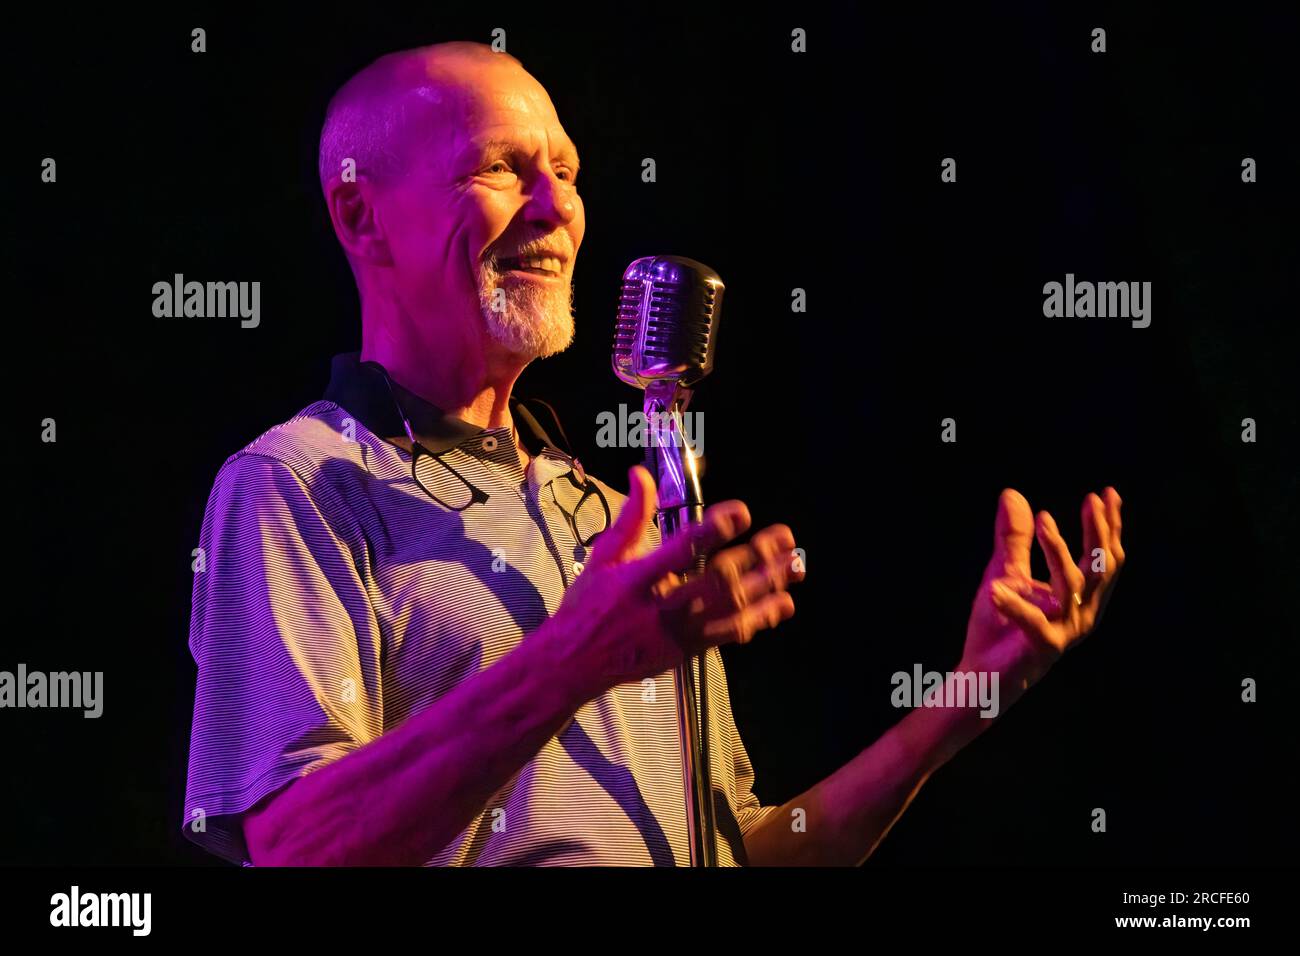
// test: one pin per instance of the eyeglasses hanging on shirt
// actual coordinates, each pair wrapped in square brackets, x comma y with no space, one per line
[590,493]
[468,493]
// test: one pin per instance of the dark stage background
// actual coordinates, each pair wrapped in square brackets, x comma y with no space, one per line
[818,171]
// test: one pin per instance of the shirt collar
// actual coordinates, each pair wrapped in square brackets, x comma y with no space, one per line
[360,389]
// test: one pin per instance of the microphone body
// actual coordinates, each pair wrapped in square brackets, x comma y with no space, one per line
[664,342]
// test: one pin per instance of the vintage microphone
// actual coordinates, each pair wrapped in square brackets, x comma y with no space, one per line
[664,342]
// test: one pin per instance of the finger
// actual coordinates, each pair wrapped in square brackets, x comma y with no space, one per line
[1024,614]
[667,585]
[725,587]
[619,541]
[1066,577]
[1013,533]
[1038,593]
[770,561]
[1114,504]
[1096,534]
[720,589]
[1113,517]
[772,547]
[776,544]
[740,628]
[722,522]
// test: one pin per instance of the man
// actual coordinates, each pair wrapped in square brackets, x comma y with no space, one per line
[421,639]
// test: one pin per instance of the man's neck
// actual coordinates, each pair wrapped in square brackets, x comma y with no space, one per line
[470,378]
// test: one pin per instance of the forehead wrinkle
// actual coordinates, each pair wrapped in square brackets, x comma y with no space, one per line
[521,101]
[432,121]
[439,102]
[554,141]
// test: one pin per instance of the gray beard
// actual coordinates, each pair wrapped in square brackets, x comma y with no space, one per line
[536,320]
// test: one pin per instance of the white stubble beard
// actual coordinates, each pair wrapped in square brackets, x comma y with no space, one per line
[537,320]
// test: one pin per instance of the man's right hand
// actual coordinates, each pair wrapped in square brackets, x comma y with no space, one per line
[629,615]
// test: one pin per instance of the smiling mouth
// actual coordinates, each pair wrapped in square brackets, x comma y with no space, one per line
[534,265]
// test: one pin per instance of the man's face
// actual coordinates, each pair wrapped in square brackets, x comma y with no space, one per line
[485,224]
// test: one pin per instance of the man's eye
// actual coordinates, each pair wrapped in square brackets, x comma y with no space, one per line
[499,166]
[565,174]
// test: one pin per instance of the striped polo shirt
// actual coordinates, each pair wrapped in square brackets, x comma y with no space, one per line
[335,599]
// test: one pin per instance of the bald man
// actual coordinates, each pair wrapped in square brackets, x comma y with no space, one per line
[425,636]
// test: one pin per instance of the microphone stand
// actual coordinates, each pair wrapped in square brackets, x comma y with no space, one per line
[675,467]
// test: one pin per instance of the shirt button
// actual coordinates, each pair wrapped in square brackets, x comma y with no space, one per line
[577,568]
[490,443]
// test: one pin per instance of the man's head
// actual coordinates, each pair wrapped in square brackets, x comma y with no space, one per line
[463,222]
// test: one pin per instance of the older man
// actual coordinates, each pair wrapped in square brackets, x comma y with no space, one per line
[425,636]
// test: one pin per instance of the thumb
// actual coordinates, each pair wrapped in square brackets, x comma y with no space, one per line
[619,542]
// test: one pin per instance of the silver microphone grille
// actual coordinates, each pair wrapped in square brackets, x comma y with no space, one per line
[667,324]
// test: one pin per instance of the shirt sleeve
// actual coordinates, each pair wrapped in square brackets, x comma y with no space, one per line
[286,644]
[749,812]
[738,775]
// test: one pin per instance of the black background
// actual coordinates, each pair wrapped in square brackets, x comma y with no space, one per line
[818,171]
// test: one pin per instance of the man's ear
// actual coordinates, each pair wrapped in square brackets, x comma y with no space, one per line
[356,220]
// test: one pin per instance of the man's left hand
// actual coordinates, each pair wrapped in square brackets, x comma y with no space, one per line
[1018,626]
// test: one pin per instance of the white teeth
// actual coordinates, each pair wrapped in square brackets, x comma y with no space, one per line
[547,264]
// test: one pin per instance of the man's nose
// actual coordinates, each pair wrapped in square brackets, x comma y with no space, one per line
[551,201]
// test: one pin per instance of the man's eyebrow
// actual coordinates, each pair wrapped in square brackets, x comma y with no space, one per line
[567,150]
[496,147]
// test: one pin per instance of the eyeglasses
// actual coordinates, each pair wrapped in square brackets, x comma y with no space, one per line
[470,495]
[467,493]
[590,492]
